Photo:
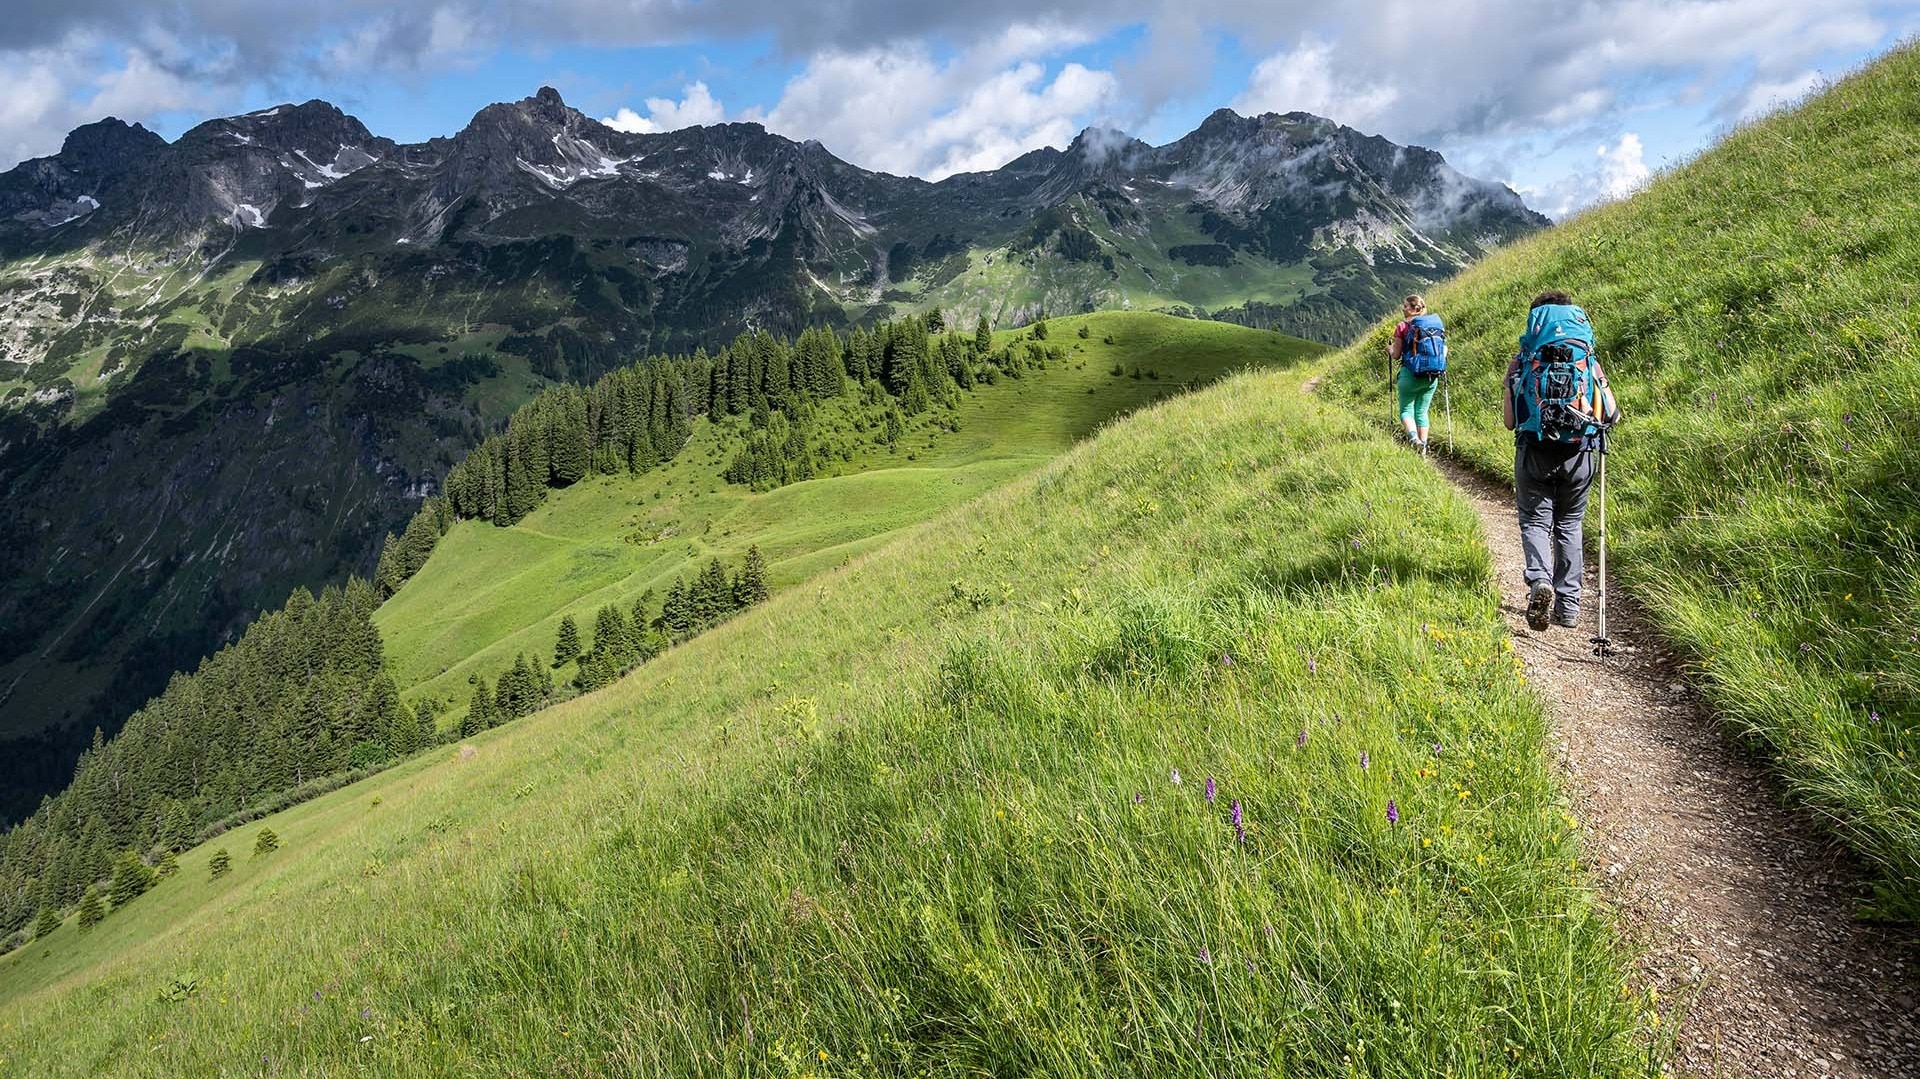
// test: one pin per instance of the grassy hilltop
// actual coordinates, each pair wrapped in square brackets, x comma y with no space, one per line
[921,816]
[489,593]
[1755,314]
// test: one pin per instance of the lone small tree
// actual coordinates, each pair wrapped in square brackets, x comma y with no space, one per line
[169,865]
[46,923]
[265,843]
[91,910]
[218,865]
[983,335]
[566,645]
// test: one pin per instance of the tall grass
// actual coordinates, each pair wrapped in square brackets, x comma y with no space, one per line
[946,811]
[1755,313]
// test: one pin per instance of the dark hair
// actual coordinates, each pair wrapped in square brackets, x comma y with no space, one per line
[1554,296]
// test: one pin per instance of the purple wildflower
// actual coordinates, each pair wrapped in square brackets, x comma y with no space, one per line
[1847,418]
[1251,969]
[1312,667]
[1366,762]
[1269,930]
[1393,812]
[1138,797]
[1875,716]
[1176,777]
[1846,446]
[1226,659]
[1303,737]
[1239,823]
[366,1013]
[1805,647]
[1205,955]
[1211,790]
[1356,543]
[1436,749]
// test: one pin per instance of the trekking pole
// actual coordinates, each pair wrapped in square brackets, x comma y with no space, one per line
[1602,645]
[1446,394]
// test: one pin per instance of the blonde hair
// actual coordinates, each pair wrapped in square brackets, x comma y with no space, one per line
[1418,303]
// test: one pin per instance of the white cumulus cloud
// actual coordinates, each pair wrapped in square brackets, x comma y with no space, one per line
[1619,169]
[1304,79]
[1769,95]
[697,107]
[903,111]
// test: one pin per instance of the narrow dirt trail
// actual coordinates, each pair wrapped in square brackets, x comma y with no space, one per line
[1742,908]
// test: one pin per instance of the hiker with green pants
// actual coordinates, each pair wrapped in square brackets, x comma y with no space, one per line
[1420,344]
[1558,406]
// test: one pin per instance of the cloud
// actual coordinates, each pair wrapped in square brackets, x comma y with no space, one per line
[1618,170]
[1770,95]
[698,107]
[902,111]
[48,91]
[1429,71]
[1304,80]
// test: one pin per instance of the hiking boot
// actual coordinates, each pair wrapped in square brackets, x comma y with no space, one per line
[1567,619]
[1538,603]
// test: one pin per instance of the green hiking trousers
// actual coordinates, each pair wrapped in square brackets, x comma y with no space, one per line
[1416,396]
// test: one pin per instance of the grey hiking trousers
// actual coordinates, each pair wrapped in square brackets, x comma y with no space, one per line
[1550,493]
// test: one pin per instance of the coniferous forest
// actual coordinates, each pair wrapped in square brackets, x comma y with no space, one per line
[300,703]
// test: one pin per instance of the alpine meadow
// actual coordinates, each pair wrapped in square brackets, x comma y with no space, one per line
[705,607]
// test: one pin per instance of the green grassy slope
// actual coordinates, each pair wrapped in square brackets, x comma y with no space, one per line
[489,593]
[875,828]
[1755,314]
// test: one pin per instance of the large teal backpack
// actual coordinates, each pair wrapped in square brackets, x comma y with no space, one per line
[1557,398]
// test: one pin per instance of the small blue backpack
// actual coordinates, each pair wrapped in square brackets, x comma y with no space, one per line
[1557,397]
[1426,354]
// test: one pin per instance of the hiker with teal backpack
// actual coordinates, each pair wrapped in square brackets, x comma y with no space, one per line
[1559,408]
[1420,344]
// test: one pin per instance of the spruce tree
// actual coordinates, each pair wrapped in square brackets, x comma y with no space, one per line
[169,865]
[611,640]
[751,586]
[91,910]
[176,825]
[983,336]
[131,876]
[676,617]
[46,923]
[566,645]
[479,711]
[265,843]
[1040,329]
[219,864]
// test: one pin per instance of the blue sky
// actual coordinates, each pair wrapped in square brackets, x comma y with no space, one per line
[1568,107]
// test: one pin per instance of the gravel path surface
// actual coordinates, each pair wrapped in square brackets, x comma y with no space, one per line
[1742,909]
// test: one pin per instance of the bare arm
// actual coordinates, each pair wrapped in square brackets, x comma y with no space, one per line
[1394,345]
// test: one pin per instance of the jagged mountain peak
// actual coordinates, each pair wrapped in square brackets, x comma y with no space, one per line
[110,136]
